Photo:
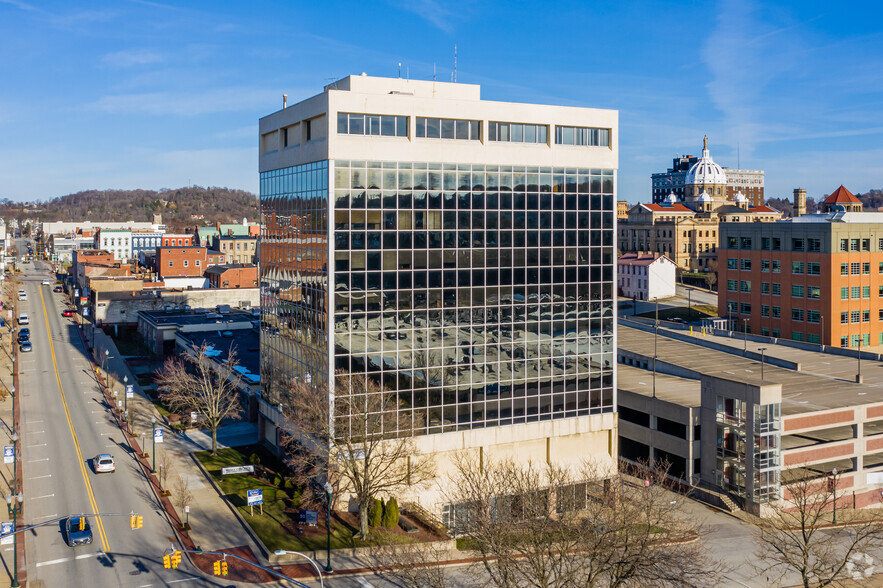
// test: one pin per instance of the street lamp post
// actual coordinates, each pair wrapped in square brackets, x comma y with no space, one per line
[153,456]
[126,399]
[104,367]
[13,506]
[858,376]
[762,357]
[328,490]
[834,491]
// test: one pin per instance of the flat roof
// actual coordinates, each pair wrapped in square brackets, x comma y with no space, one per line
[245,343]
[198,316]
[682,391]
[826,381]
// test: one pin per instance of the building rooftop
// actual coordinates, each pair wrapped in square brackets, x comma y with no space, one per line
[683,391]
[841,196]
[825,380]
[245,343]
[220,269]
[197,316]
[638,258]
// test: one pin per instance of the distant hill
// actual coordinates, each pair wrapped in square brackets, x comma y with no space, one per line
[177,206]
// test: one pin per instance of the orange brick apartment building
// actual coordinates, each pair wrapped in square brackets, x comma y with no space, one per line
[817,278]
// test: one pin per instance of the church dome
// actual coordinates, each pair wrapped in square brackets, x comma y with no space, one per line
[672,198]
[740,198]
[705,197]
[706,171]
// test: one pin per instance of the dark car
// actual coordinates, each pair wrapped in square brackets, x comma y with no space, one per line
[79,532]
[25,347]
[67,312]
[56,289]
[24,335]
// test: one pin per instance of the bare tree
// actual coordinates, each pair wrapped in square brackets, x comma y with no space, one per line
[552,527]
[183,497]
[165,467]
[367,446]
[711,275]
[195,382]
[798,535]
[411,565]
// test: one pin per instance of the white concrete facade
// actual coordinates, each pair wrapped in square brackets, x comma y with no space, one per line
[639,277]
[117,241]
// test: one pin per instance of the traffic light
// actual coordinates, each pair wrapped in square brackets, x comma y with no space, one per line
[166,561]
[137,521]
[223,568]
[216,568]
[176,559]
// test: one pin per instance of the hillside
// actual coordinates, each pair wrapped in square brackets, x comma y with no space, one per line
[176,206]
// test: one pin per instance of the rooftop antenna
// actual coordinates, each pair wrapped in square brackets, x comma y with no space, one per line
[284,101]
[455,64]
[400,70]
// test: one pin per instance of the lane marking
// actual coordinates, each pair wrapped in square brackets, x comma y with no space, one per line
[86,555]
[183,580]
[47,516]
[40,477]
[98,522]
[36,460]
[38,445]
[44,496]
[33,422]
[52,562]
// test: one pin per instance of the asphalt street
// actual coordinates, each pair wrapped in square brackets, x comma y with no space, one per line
[66,422]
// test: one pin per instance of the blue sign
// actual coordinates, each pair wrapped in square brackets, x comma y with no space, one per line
[309,517]
[130,391]
[255,497]
[157,435]
[6,530]
[8,454]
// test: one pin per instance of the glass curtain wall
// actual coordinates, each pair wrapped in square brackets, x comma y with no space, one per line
[481,295]
[294,280]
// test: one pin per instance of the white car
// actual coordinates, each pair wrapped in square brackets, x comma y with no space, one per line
[22,296]
[47,283]
[103,462]
[23,319]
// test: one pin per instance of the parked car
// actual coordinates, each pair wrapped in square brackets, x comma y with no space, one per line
[23,319]
[56,289]
[24,335]
[25,347]
[22,296]
[79,531]
[103,462]
[67,312]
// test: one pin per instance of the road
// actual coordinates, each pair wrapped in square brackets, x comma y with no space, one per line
[65,422]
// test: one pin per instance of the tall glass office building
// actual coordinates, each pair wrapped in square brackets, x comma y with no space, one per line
[456,251]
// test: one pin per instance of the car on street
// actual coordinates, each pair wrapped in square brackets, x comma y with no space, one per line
[24,335]
[23,319]
[678,320]
[56,289]
[47,283]
[79,531]
[22,296]
[25,347]
[67,312]
[103,462]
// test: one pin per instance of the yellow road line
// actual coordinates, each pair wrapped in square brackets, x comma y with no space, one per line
[70,424]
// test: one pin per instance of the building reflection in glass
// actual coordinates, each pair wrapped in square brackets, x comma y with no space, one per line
[483,295]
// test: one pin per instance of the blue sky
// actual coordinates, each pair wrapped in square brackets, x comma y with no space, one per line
[144,94]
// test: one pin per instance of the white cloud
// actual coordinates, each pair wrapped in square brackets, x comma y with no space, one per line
[433,11]
[183,103]
[132,58]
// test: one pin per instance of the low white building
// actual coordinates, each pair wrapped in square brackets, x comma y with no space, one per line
[117,241]
[645,276]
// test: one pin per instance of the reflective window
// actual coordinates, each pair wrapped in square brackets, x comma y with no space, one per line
[582,136]
[372,124]
[445,128]
[517,132]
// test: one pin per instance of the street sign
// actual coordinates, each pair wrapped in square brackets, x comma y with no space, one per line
[157,435]
[186,508]
[8,454]
[130,391]
[247,469]
[309,517]
[255,497]
[6,536]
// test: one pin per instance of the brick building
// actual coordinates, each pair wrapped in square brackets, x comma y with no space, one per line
[237,248]
[235,275]
[177,240]
[185,261]
[817,278]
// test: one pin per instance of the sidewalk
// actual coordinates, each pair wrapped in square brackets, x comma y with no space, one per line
[213,524]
